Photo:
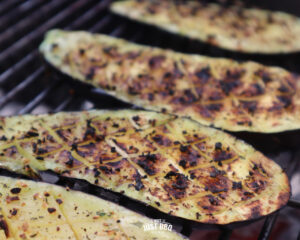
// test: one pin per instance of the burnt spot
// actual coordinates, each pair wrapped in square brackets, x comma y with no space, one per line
[138,181]
[214,107]
[203,75]
[231,81]
[218,146]
[258,89]
[3,138]
[51,210]
[237,185]
[31,134]
[13,211]
[147,162]
[162,140]
[263,75]
[156,61]
[177,184]
[247,195]
[222,155]
[188,157]
[253,90]
[285,101]
[213,200]
[91,73]
[106,170]
[187,97]
[249,106]
[15,190]
[215,172]
[283,89]
[71,160]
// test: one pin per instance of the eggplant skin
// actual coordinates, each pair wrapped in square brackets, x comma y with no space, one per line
[173,164]
[34,210]
[213,91]
[234,28]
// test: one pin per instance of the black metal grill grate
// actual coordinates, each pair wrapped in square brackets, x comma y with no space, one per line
[28,86]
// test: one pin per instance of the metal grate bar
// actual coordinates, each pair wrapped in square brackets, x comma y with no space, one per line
[18,66]
[119,30]
[22,10]
[7,6]
[90,14]
[104,21]
[268,226]
[64,104]
[21,86]
[38,17]
[36,100]
[294,203]
[38,32]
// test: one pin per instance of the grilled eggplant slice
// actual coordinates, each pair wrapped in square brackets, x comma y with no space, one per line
[219,92]
[174,164]
[232,28]
[33,210]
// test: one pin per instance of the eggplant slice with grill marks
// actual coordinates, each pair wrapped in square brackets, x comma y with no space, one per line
[173,164]
[34,210]
[247,30]
[213,91]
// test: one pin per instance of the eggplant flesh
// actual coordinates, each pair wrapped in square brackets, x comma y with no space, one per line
[213,91]
[235,28]
[173,164]
[35,210]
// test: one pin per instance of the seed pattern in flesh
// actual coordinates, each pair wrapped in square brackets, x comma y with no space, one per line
[177,168]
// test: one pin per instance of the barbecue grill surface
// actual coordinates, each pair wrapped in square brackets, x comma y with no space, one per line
[29,85]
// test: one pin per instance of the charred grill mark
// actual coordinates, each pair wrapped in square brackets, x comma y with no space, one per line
[203,75]
[187,98]
[213,200]
[31,134]
[215,173]
[217,183]
[265,76]
[283,89]
[286,101]
[71,161]
[90,131]
[220,155]
[237,185]
[188,157]
[177,184]
[147,162]
[162,140]
[106,170]
[61,134]
[250,106]
[214,107]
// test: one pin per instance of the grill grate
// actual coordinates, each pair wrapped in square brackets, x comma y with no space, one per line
[27,86]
